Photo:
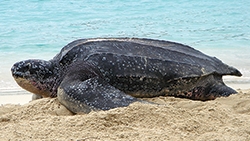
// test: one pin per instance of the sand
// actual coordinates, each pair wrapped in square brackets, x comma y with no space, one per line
[173,119]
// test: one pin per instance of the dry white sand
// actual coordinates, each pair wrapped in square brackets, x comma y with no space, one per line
[173,119]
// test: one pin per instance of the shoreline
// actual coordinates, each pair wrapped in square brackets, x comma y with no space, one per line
[15,99]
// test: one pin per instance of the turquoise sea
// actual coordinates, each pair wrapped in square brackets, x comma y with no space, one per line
[40,28]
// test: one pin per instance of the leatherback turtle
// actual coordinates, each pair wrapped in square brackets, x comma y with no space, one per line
[105,73]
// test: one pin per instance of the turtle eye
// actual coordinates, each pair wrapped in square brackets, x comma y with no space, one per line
[22,67]
[26,66]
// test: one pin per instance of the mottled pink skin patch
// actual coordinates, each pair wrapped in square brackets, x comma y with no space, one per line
[32,87]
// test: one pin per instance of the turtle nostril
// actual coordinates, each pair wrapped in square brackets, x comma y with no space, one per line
[20,69]
[13,69]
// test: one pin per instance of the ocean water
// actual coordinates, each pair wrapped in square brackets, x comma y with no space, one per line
[40,28]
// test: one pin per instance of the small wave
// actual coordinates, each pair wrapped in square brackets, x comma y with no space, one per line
[13,92]
[237,80]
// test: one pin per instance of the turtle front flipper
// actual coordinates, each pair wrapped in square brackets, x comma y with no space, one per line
[91,94]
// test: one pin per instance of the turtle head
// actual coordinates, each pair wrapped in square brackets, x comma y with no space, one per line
[35,76]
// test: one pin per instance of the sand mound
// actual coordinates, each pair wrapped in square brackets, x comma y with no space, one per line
[173,119]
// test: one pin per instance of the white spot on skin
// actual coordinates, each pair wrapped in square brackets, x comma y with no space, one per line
[203,70]
[141,79]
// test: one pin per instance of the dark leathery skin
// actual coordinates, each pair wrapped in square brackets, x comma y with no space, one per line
[120,68]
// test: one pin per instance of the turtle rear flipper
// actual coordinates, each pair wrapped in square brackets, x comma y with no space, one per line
[205,88]
[210,92]
[92,94]
[217,88]
[220,89]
